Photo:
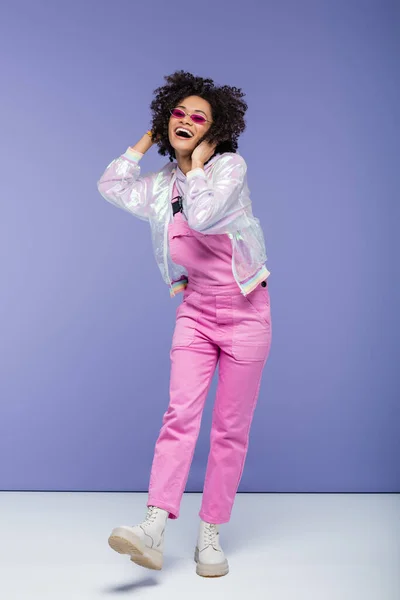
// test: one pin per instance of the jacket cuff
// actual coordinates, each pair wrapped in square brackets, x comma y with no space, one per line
[195,173]
[132,155]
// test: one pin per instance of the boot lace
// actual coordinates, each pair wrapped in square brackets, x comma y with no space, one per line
[211,534]
[151,516]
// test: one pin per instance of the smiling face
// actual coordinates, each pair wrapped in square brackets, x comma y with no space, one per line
[184,143]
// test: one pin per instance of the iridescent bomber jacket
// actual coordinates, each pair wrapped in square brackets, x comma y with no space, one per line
[216,201]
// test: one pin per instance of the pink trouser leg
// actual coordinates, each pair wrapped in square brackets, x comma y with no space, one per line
[237,393]
[192,370]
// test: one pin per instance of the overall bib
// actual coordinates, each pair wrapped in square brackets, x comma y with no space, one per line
[214,323]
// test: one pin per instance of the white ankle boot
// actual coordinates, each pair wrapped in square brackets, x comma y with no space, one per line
[145,542]
[210,559]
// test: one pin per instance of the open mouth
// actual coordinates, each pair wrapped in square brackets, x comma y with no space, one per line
[183,133]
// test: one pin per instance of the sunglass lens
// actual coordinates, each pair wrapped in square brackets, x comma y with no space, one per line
[176,112]
[198,119]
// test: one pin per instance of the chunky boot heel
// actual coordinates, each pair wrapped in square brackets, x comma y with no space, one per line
[144,543]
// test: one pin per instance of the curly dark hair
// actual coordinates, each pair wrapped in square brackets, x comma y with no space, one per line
[227,107]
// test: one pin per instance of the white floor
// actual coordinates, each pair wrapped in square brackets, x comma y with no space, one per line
[279,547]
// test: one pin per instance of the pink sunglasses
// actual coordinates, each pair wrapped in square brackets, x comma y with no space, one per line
[198,119]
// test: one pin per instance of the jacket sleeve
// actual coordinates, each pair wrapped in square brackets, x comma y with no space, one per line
[211,205]
[122,185]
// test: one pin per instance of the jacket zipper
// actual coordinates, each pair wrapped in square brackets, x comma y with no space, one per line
[233,266]
[167,221]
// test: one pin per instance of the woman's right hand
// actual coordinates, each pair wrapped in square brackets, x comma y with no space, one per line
[157,138]
[144,144]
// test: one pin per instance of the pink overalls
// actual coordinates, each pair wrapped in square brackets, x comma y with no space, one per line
[214,322]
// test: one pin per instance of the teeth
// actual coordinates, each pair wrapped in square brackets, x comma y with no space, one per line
[183,129]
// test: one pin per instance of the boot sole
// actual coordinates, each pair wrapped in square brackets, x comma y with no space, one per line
[204,570]
[126,542]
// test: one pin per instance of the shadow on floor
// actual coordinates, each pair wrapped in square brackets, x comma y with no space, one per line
[148,579]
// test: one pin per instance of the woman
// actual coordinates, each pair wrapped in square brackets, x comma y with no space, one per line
[208,244]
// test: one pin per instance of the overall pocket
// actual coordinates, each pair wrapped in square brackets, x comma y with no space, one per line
[179,235]
[252,326]
[259,301]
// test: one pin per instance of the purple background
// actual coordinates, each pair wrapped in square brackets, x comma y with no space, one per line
[86,320]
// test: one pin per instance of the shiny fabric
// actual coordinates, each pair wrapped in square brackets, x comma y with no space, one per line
[216,201]
[214,323]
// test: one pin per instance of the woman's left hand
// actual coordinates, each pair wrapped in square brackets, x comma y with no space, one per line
[202,153]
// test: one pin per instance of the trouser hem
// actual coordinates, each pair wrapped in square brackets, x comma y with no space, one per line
[215,520]
[173,512]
